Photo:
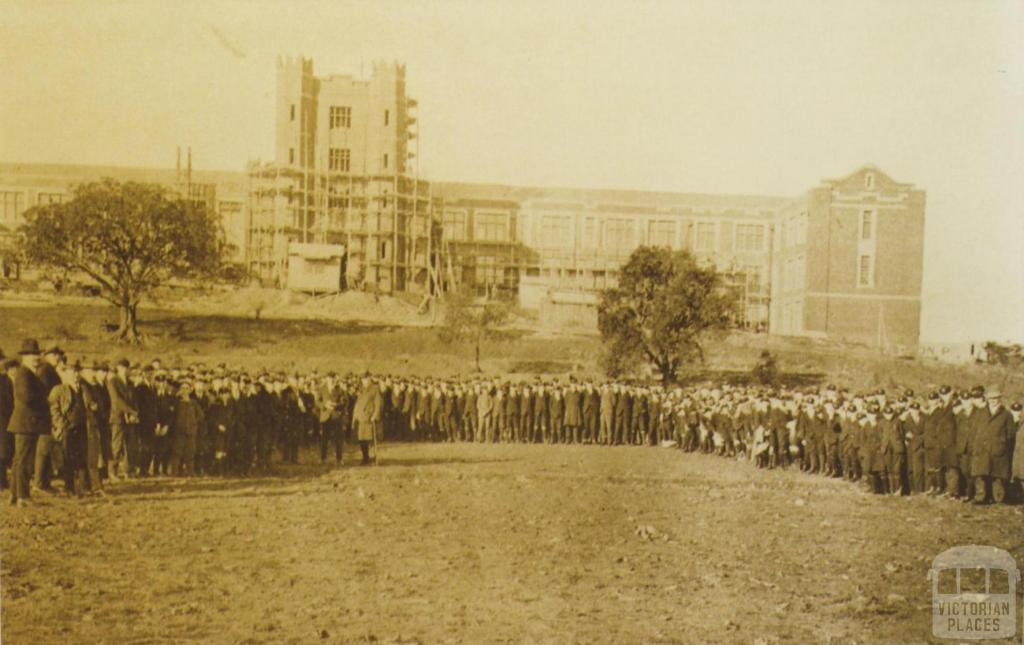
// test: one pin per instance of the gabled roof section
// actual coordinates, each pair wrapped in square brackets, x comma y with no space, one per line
[868,177]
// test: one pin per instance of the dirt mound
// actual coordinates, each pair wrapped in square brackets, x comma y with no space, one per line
[256,302]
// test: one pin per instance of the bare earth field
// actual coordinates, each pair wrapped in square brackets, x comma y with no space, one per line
[487,544]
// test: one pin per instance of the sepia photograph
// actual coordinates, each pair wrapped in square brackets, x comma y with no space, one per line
[452,321]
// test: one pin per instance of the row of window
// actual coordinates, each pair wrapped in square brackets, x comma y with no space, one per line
[340,116]
[340,159]
[13,202]
[619,233]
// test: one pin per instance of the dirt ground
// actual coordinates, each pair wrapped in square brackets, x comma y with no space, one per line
[487,544]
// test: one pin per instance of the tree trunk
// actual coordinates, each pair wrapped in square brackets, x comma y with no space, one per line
[668,372]
[668,377]
[478,355]
[128,331]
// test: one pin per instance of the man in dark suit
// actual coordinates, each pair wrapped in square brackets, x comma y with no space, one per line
[572,420]
[45,460]
[328,404]
[913,430]
[623,415]
[992,449]
[68,426]
[607,415]
[512,406]
[6,409]
[591,412]
[145,397]
[940,438]
[124,417]
[29,418]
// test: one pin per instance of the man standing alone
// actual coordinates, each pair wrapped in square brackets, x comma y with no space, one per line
[366,416]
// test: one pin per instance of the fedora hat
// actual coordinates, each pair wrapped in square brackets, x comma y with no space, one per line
[29,346]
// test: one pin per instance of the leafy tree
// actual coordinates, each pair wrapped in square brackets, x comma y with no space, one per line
[466,321]
[128,237]
[661,312]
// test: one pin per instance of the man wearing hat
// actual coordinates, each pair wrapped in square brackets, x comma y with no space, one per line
[366,416]
[185,429]
[124,415]
[991,453]
[941,458]
[95,421]
[28,420]
[893,450]
[70,440]
[45,461]
[912,426]
[1018,446]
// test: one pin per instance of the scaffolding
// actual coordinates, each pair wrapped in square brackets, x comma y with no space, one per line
[385,223]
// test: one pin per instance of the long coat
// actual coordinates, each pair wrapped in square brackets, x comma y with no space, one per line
[123,402]
[31,410]
[188,418]
[367,413]
[94,421]
[1018,453]
[6,408]
[940,438]
[870,447]
[67,411]
[573,416]
[591,408]
[990,444]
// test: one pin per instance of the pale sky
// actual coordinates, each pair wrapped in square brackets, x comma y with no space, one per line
[732,97]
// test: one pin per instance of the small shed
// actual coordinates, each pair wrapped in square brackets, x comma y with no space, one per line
[316,268]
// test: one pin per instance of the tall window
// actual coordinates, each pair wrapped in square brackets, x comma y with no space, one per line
[753,276]
[340,117]
[291,155]
[44,199]
[705,236]
[292,112]
[661,233]
[12,205]
[554,231]
[866,225]
[795,275]
[865,277]
[385,160]
[491,227]
[591,233]
[749,237]
[339,159]
[455,225]
[619,235]
[796,231]
[387,117]
[869,180]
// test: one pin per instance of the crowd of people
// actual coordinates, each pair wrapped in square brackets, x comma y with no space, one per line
[86,424]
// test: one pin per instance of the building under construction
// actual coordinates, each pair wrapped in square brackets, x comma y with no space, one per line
[344,175]
[341,206]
